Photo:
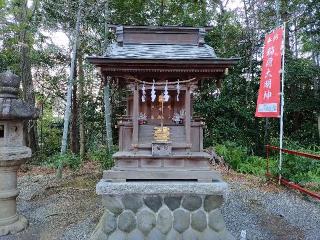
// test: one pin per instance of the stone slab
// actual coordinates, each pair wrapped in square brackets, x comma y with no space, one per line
[14,153]
[105,187]
[161,174]
[146,154]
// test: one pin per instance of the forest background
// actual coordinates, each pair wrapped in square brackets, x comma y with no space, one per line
[28,49]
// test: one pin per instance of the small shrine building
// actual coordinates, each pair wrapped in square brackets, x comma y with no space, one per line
[159,137]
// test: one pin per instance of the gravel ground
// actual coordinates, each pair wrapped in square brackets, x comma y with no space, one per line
[265,213]
[69,209]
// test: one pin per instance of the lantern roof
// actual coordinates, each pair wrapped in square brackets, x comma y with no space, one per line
[12,107]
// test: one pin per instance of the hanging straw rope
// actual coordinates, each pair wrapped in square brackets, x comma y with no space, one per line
[159,83]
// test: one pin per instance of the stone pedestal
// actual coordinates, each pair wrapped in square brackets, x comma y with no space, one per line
[13,152]
[10,160]
[161,210]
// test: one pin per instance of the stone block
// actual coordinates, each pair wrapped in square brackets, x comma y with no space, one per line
[199,220]
[156,234]
[127,221]
[113,204]
[216,221]
[181,220]
[173,202]
[164,220]
[190,235]
[109,222]
[154,202]
[132,202]
[192,202]
[117,235]
[135,235]
[174,235]
[146,221]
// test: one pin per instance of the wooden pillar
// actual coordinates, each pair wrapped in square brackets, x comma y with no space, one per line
[107,110]
[188,116]
[135,117]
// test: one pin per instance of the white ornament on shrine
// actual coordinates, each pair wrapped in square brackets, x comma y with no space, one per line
[166,93]
[143,97]
[153,93]
[178,90]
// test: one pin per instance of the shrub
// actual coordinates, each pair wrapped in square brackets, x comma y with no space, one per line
[238,159]
[103,156]
[70,160]
[295,168]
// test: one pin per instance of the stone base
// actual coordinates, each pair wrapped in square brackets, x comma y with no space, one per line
[14,155]
[161,210]
[128,175]
[13,228]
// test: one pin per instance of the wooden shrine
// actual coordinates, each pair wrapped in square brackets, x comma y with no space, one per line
[159,137]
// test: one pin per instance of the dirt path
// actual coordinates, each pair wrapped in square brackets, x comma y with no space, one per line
[70,209]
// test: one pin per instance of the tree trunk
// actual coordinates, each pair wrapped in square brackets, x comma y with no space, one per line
[30,126]
[106,89]
[69,93]
[81,113]
[161,19]
[74,133]
[28,96]
[250,49]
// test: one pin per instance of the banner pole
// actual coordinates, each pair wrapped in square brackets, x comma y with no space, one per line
[282,101]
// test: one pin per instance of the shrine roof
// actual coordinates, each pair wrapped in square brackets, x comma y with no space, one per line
[160,51]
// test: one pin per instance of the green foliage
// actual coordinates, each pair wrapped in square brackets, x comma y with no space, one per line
[70,160]
[103,156]
[164,12]
[237,157]
[301,170]
[50,131]
[298,169]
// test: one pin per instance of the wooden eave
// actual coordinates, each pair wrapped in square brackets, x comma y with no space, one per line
[111,65]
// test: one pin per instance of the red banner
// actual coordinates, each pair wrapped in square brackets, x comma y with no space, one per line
[268,104]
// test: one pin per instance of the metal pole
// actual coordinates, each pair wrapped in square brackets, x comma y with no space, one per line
[282,100]
[278,12]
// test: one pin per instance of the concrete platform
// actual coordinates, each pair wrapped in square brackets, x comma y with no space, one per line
[162,210]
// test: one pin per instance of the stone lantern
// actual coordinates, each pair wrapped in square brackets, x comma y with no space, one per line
[13,152]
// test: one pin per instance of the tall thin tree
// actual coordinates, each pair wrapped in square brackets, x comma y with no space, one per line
[27,19]
[106,89]
[69,91]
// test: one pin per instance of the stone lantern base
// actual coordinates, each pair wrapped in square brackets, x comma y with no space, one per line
[10,160]
[161,210]
[19,224]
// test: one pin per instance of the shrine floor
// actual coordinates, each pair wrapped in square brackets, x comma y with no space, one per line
[70,209]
